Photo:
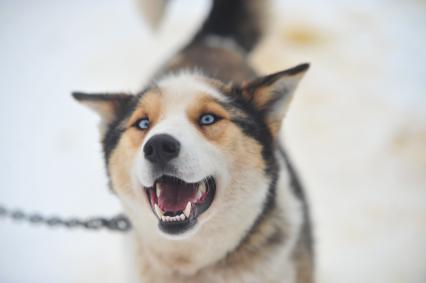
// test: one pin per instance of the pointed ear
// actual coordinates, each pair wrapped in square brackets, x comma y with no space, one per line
[107,106]
[272,94]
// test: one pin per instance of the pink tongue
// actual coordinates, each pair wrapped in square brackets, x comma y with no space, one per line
[174,197]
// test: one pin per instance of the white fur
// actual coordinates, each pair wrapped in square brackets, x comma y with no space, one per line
[187,85]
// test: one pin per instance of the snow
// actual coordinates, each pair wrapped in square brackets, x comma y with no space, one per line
[356,129]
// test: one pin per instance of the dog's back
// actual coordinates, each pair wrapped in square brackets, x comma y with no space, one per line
[221,46]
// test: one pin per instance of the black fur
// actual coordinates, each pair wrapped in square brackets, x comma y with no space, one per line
[119,100]
[240,20]
[298,191]
[295,183]
[272,78]
[112,135]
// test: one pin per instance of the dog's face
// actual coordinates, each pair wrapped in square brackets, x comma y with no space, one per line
[192,152]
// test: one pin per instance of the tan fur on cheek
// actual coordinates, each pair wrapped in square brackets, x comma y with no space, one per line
[215,132]
[121,162]
[245,151]
[250,151]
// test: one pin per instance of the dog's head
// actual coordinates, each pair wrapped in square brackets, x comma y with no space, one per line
[190,150]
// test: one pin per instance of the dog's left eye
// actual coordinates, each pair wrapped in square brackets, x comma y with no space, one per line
[208,119]
[143,124]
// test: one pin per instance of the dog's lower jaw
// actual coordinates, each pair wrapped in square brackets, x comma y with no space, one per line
[216,236]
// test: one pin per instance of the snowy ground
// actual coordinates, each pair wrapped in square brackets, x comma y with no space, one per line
[357,129]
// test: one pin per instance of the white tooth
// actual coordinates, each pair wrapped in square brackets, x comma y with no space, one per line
[182,217]
[163,218]
[158,211]
[187,210]
[202,188]
[158,190]
[198,195]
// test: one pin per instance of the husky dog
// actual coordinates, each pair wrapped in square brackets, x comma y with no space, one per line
[196,161]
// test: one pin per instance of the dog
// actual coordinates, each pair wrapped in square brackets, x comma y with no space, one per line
[197,162]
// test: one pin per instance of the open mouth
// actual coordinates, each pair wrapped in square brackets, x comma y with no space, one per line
[178,204]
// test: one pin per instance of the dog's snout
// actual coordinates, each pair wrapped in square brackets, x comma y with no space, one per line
[161,148]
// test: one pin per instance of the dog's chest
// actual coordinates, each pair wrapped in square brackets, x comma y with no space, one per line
[279,270]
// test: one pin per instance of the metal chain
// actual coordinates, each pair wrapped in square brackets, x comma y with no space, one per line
[117,223]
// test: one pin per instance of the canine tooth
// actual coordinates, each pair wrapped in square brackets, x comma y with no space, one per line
[198,195]
[163,218]
[158,190]
[202,188]
[158,210]
[187,210]
[182,217]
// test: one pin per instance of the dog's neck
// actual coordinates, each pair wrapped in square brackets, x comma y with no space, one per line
[183,259]
[221,250]
[206,248]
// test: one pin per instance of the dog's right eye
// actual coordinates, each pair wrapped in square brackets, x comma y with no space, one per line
[142,124]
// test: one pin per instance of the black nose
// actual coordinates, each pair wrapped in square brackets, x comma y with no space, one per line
[161,148]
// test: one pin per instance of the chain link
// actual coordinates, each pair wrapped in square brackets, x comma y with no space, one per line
[118,223]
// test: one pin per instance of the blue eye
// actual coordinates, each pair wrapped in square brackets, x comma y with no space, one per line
[207,119]
[143,124]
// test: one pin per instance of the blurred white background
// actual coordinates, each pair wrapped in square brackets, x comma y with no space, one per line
[356,131]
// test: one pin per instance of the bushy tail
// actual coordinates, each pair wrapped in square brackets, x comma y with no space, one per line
[153,11]
[240,20]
